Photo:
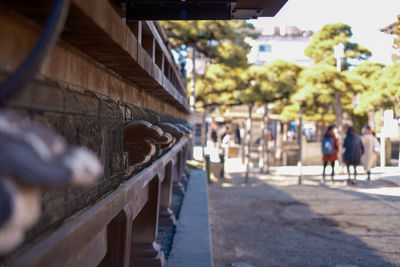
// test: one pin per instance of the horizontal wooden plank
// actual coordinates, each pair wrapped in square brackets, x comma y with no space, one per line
[98,30]
[167,52]
[97,11]
[88,226]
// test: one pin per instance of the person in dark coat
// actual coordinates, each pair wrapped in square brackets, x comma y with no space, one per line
[354,150]
[330,157]
[237,135]
[213,133]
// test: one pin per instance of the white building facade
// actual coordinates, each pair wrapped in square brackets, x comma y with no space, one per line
[286,43]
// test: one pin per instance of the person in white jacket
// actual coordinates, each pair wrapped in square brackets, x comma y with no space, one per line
[369,157]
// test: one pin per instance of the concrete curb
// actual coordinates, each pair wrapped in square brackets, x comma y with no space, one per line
[192,240]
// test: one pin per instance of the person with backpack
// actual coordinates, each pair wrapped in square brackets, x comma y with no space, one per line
[354,150]
[330,148]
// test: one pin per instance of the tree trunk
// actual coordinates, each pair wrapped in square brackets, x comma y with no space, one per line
[300,140]
[371,119]
[278,141]
[285,130]
[243,143]
[339,122]
[323,128]
[248,142]
[318,131]
[264,141]
[383,145]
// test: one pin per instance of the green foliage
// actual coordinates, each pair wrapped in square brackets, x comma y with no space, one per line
[360,121]
[369,97]
[382,87]
[315,93]
[224,45]
[213,37]
[322,43]
[324,80]
[317,89]
[319,84]
[388,86]
[220,84]
[274,82]
[232,55]
[367,69]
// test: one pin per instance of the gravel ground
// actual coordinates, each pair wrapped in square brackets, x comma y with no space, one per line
[271,221]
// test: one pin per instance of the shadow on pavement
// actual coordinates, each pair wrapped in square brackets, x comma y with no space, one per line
[261,225]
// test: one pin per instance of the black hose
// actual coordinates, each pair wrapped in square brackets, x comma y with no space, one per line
[27,70]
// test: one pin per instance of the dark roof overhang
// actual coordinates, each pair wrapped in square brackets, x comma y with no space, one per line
[200,9]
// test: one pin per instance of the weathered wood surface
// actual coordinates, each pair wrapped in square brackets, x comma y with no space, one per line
[121,229]
[96,29]
[98,52]
[101,17]
[142,141]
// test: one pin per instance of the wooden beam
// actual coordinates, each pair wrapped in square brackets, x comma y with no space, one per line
[84,237]
[96,28]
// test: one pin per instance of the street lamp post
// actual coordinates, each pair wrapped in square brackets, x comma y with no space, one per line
[339,53]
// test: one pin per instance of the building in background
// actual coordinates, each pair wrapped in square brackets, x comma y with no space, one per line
[393,30]
[286,42]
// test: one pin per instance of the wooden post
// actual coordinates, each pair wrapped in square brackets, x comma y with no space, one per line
[167,217]
[118,242]
[183,156]
[145,250]
[178,188]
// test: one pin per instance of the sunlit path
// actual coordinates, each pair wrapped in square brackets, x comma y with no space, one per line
[273,221]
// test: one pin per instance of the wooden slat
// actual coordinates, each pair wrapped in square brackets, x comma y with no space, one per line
[166,51]
[96,28]
[63,245]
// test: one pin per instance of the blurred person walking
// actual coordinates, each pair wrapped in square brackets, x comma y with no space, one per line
[237,135]
[354,149]
[369,158]
[330,148]
[213,133]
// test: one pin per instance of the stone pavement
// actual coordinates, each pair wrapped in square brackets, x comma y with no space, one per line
[390,174]
[272,221]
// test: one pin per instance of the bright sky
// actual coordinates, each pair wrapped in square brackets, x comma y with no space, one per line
[365,17]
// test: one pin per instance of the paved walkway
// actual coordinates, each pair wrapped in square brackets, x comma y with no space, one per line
[271,221]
